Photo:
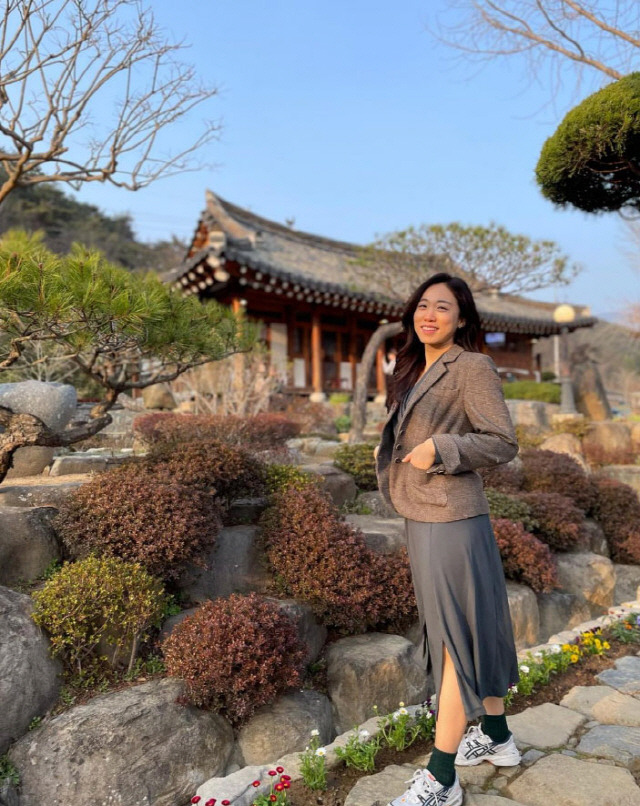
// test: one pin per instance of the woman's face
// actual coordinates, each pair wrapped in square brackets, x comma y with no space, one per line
[437,317]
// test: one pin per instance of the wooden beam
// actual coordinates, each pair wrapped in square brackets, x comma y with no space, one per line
[316,358]
[381,387]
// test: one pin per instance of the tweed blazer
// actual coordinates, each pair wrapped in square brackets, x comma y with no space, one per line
[459,403]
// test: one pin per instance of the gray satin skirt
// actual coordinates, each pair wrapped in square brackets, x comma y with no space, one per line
[462,603]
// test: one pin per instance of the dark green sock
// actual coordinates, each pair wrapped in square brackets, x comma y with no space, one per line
[441,766]
[495,727]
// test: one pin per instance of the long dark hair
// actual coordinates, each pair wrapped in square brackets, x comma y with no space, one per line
[410,361]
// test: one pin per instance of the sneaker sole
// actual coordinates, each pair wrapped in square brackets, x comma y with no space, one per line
[504,761]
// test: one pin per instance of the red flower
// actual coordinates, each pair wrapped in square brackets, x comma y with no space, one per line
[196,799]
[279,769]
[256,783]
[272,772]
[210,802]
[279,787]
[273,798]
[226,803]
[285,777]
[286,785]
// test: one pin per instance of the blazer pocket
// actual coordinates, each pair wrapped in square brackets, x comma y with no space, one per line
[429,488]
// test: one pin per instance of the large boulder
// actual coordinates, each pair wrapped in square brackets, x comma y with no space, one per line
[590,394]
[29,679]
[158,396]
[43,491]
[565,443]
[560,611]
[525,619]
[234,565]
[372,669]
[607,439]
[627,583]
[285,726]
[135,747]
[53,403]
[593,538]
[340,486]
[590,577]
[384,535]
[627,474]
[28,543]
[374,501]
[310,633]
[531,414]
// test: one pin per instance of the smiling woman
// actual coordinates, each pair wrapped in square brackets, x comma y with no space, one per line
[447,418]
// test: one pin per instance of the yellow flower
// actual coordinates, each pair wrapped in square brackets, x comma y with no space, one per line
[606,645]
[575,658]
[598,643]
[566,647]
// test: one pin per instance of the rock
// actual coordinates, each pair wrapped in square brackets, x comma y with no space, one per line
[169,625]
[314,446]
[47,492]
[545,726]
[79,463]
[384,535]
[247,510]
[634,428]
[624,677]
[531,756]
[559,780]
[565,443]
[376,503]
[234,565]
[158,396]
[590,395]
[525,618]
[530,413]
[8,794]
[382,787]
[558,611]
[53,403]
[605,704]
[135,747]
[614,742]
[28,543]
[340,486]
[589,576]
[594,539]
[285,726]
[606,440]
[488,800]
[236,787]
[312,634]
[627,582]
[372,669]
[29,679]
[628,474]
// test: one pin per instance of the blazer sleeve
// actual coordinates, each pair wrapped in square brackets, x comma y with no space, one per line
[492,440]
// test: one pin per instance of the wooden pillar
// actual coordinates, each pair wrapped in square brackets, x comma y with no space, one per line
[317,395]
[381,386]
[237,384]
[353,357]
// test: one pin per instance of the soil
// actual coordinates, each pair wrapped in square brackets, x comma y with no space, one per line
[341,780]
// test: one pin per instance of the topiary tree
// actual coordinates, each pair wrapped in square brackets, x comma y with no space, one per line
[123,331]
[592,161]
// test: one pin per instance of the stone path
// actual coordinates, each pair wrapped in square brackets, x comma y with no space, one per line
[561,745]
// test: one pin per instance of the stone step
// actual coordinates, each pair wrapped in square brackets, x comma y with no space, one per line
[620,744]
[545,726]
[604,704]
[39,491]
[625,676]
[384,535]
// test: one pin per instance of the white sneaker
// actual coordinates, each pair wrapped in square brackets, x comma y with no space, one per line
[425,790]
[476,747]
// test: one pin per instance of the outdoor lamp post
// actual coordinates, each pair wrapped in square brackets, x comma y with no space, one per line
[565,314]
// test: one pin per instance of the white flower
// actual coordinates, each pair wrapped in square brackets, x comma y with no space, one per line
[432,701]
[395,716]
[537,654]
[402,711]
[321,752]
[315,732]
[524,669]
[514,689]
[555,648]
[401,704]
[364,734]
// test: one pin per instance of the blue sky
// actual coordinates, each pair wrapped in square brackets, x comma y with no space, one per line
[351,118]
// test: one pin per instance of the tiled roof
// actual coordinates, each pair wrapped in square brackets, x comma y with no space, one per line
[232,233]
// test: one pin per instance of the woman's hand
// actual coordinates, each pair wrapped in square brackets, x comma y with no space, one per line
[422,456]
[376,451]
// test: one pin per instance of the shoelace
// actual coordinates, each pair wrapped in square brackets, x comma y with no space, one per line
[420,777]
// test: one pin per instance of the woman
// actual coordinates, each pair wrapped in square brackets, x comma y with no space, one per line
[447,417]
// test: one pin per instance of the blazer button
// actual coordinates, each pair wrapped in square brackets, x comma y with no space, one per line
[402,431]
[398,447]
[398,460]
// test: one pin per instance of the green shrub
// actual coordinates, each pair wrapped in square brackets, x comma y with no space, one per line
[618,512]
[525,558]
[321,560]
[282,477]
[532,390]
[131,514]
[235,655]
[97,612]
[358,461]
[223,470]
[340,397]
[547,375]
[560,522]
[550,472]
[514,509]
[343,424]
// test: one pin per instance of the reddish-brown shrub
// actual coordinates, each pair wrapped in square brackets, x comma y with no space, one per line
[235,655]
[321,560]
[508,479]
[228,472]
[550,472]
[618,512]
[599,455]
[313,418]
[560,523]
[127,513]
[525,558]
[261,432]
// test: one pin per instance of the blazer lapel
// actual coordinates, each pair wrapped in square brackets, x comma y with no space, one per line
[432,375]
